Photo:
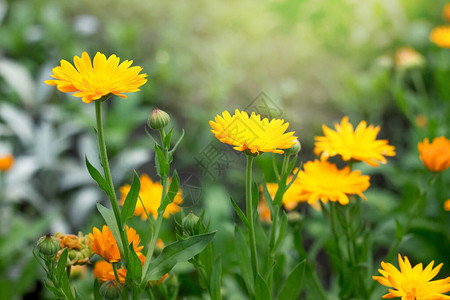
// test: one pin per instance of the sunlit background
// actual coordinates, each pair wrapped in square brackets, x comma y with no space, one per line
[309,62]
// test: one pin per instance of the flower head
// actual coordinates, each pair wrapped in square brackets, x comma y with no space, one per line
[104,244]
[251,134]
[435,156]
[150,194]
[78,247]
[359,144]
[413,283]
[103,270]
[323,180]
[6,162]
[440,35]
[94,80]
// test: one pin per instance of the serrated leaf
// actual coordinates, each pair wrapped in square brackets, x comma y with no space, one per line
[95,174]
[110,220]
[176,252]
[130,201]
[241,250]
[294,283]
[239,212]
[262,289]
[134,267]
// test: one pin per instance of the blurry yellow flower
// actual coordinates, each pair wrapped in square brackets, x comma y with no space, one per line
[447,205]
[407,58]
[102,77]
[323,180]
[263,211]
[440,35]
[104,244]
[446,12]
[360,144]
[413,283]
[421,121]
[251,134]
[150,195]
[6,162]
[435,156]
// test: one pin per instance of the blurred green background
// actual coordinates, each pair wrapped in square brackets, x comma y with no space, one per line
[310,62]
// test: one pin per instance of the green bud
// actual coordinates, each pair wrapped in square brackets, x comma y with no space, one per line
[158,119]
[294,149]
[48,246]
[111,290]
[189,223]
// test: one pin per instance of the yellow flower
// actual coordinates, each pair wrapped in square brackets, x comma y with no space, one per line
[6,162]
[102,77]
[323,180]
[411,283]
[360,144]
[440,35]
[447,205]
[150,195]
[104,244]
[435,156]
[251,134]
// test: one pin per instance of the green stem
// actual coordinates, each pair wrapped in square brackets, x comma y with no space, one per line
[249,206]
[108,178]
[116,275]
[149,293]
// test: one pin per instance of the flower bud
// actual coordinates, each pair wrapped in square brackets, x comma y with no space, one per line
[110,290]
[48,246]
[158,119]
[294,149]
[189,223]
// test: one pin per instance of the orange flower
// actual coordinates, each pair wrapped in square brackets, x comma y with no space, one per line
[435,156]
[94,80]
[323,180]
[6,162]
[440,35]
[150,194]
[104,244]
[104,271]
[359,144]
[447,205]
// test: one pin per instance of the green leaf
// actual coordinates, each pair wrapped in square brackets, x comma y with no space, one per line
[176,252]
[282,232]
[110,220]
[61,268]
[65,285]
[162,167]
[95,174]
[268,198]
[171,193]
[293,284]
[97,290]
[130,201]
[168,138]
[241,250]
[239,212]
[177,143]
[262,289]
[216,279]
[281,190]
[55,291]
[134,267]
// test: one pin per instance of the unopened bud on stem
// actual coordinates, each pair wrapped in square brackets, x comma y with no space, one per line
[158,119]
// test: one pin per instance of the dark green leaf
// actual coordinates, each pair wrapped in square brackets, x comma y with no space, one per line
[239,212]
[281,190]
[55,291]
[293,284]
[241,250]
[262,289]
[110,220]
[168,138]
[61,268]
[173,190]
[176,252]
[65,286]
[97,290]
[130,201]
[95,174]
[134,267]
[162,167]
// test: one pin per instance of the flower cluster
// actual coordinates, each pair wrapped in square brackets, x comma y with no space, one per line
[78,247]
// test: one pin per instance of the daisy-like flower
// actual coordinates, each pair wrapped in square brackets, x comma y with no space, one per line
[323,180]
[97,79]
[150,194]
[6,162]
[251,134]
[435,156]
[359,144]
[440,35]
[413,283]
[104,244]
